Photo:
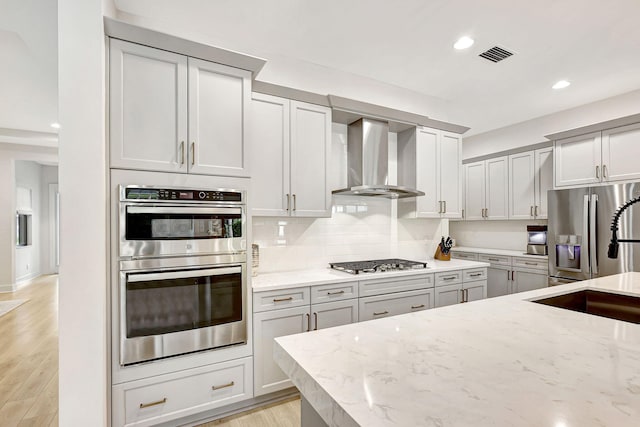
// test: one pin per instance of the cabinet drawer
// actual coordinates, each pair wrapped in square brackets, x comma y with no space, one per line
[391,285]
[334,292]
[471,256]
[284,298]
[495,259]
[380,306]
[169,397]
[537,264]
[448,278]
[475,274]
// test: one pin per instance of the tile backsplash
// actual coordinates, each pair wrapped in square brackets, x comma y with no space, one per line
[359,228]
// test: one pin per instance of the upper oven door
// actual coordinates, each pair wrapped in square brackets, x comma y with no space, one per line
[153,230]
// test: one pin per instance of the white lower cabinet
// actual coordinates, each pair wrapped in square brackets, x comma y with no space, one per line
[499,281]
[267,326]
[169,397]
[467,286]
[270,321]
[448,295]
[509,275]
[528,280]
[380,306]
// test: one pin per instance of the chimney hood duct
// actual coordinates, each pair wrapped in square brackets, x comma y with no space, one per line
[368,162]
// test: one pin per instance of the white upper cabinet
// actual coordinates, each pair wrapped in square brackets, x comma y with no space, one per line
[598,157]
[218,100]
[289,152]
[171,113]
[620,152]
[147,108]
[543,160]
[487,189]
[431,162]
[474,185]
[578,160]
[521,185]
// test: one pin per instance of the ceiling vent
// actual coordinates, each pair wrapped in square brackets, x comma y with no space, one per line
[496,54]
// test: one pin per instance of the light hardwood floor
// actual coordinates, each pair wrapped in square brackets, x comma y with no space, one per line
[29,356]
[282,414]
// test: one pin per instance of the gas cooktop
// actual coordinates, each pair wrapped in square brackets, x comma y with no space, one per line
[377,265]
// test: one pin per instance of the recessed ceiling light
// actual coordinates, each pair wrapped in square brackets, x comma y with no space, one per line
[55,125]
[561,84]
[463,43]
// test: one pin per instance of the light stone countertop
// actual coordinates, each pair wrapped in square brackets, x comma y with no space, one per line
[506,252]
[497,362]
[300,278]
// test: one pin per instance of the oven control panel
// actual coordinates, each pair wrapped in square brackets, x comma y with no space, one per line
[180,194]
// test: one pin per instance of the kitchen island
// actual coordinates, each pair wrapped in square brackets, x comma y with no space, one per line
[501,362]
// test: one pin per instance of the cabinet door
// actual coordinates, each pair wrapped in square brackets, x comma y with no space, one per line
[521,185]
[577,160]
[448,295]
[527,280]
[497,188]
[475,290]
[219,98]
[267,326]
[428,173]
[147,108]
[498,281]
[269,134]
[337,313]
[474,190]
[620,153]
[310,145]
[543,180]
[451,175]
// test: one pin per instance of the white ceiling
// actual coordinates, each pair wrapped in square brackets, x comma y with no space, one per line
[28,75]
[408,43]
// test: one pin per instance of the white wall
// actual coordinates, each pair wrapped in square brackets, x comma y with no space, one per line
[9,154]
[82,294]
[27,258]
[49,176]
[533,131]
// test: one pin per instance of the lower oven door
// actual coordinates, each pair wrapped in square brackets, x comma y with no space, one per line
[167,313]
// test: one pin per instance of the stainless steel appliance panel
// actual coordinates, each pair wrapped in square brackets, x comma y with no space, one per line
[607,200]
[568,234]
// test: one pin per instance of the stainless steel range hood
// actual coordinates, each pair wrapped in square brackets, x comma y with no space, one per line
[367,162]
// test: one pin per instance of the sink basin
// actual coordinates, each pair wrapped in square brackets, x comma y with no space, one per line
[598,303]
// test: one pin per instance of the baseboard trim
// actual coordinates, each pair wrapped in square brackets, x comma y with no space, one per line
[27,280]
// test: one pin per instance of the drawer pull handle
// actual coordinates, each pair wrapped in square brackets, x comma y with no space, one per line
[413,307]
[282,299]
[449,278]
[218,387]
[475,275]
[335,293]
[493,259]
[531,263]
[380,313]
[159,402]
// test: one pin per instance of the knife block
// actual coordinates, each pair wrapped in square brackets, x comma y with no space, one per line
[442,256]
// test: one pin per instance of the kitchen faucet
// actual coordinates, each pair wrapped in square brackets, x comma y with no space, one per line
[613,245]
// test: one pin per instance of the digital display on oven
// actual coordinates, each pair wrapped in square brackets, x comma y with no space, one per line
[185,195]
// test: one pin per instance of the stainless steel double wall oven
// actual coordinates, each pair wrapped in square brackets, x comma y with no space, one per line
[182,267]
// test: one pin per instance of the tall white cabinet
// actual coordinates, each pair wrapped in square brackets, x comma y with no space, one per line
[172,113]
[530,177]
[290,152]
[432,163]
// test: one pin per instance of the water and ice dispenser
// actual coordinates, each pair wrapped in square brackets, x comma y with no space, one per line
[568,252]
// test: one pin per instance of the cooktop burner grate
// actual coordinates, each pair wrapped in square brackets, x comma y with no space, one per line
[377,265]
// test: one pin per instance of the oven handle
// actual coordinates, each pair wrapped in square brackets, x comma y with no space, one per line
[181,210]
[146,277]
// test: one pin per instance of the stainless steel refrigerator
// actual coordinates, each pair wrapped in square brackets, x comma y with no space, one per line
[579,232]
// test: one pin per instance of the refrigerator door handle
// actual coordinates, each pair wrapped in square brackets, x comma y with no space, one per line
[585,233]
[593,228]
